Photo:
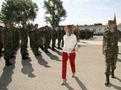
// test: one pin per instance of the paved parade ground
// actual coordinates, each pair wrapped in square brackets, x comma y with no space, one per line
[44,72]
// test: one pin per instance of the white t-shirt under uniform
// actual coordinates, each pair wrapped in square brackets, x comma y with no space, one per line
[69,43]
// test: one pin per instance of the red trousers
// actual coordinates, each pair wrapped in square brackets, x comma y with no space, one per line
[65,57]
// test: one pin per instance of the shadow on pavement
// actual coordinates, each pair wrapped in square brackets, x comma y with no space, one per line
[94,38]
[58,52]
[6,76]
[82,86]
[119,60]
[42,61]
[53,57]
[68,86]
[27,68]
[118,79]
[119,53]
[116,87]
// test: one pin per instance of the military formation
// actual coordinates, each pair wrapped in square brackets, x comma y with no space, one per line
[13,38]
[86,34]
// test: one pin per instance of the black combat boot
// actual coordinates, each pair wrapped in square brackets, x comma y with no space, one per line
[24,57]
[107,80]
[12,56]
[8,63]
[0,54]
[60,48]
[46,51]
[37,54]
[53,49]
[113,75]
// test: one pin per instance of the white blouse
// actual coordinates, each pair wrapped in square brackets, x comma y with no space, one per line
[70,43]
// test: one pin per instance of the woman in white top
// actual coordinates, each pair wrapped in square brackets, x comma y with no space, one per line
[69,49]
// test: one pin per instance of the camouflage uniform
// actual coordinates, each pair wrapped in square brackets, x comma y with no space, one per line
[1,40]
[63,33]
[40,38]
[47,36]
[34,44]
[53,36]
[7,44]
[16,41]
[24,42]
[111,50]
[59,37]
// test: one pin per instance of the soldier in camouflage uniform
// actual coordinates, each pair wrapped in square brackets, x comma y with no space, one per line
[34,44]
[110,49]
[47,36]
[63,33]
[1,40]
[7,43]
[76,32]
[39,35]
[42,38]
[54,37]
[16,41]
[24,42]
[60,37]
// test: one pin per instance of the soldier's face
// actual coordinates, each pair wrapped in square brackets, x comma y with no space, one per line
[112,27]
[7,25]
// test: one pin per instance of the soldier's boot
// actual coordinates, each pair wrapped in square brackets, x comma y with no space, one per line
[12,56]
[46,51]
[1,52]
[53,48]
[107,80]
[36,52]
[8,63]
[41,47]
[60,48]
[113,75]
[62,43]
[25,57]
[53,45]
[0,55]
[59,41]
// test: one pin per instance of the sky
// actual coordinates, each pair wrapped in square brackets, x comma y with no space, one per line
[83,11]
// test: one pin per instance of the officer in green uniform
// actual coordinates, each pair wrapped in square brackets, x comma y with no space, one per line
[34,44]
[110,49]
[7,43]
[24,42]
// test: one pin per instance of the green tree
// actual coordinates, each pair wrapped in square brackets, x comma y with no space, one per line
[18,11]
[55,12]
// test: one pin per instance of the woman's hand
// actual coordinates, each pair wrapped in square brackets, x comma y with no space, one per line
[73,51]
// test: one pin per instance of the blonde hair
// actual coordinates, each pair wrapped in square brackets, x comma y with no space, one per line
[68,27]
